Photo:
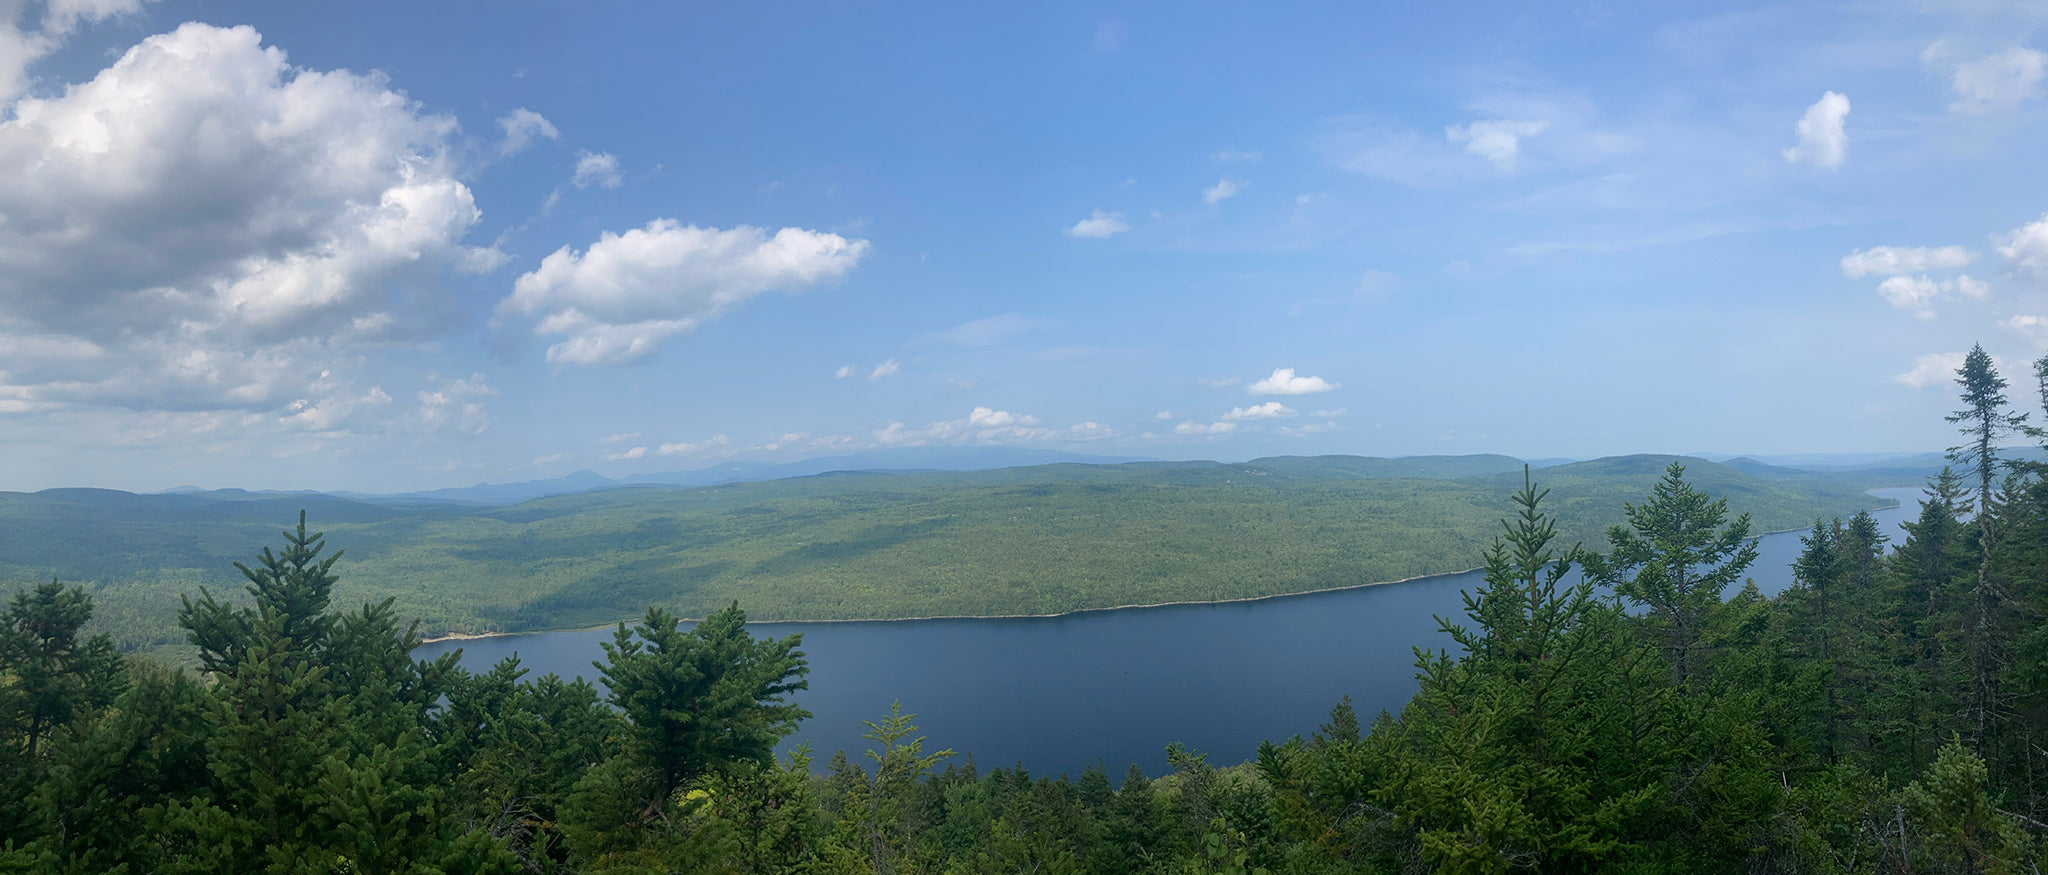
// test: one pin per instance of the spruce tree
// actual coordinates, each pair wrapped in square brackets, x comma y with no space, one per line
[700,697]
[1676,557]
[1983,420]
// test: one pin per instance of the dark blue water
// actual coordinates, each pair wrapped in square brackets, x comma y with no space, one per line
[1058,693]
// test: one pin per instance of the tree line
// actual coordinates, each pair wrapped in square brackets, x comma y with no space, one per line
[1635,708]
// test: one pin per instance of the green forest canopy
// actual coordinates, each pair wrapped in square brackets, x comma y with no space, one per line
[1018,541]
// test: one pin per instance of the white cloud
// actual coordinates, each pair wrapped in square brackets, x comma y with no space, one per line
[1896,260]
[457,405]
[1218,382]
[1284,382]
[626,455]
[220,225]
[843,372]
[990,331]
[1513,131]
[958,385]
[1918,293]
[597,168]
[1330,414]
[1307,429]
[1994,82]
[1223,190]
[983,425]
[2026,251]
[1226,156]
[628,294]
[1268,410]
[1931,369]
[1496,140]
[550,459]
[1090,431]
[620,438]
[1214,428]
[714,444]
[522,126]
[1099,225]
[1163,415]
[2034,328]
[1822,142]
[19,49]
[885,369]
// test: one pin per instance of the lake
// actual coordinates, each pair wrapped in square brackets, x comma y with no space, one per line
[1058,693]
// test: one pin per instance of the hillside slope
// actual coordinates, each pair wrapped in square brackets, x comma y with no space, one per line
[1036,540]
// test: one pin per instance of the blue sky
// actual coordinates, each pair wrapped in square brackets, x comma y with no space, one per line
[394,246]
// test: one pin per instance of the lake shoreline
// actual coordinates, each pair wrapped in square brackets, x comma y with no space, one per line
[481,636]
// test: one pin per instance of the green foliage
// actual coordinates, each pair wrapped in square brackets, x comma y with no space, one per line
[1676,557]
[1038,540]
[883,825]
[1884,715]
[697,698]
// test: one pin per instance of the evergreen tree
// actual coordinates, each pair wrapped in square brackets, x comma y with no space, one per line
[51,676]
[697,698]
[1676,557]
[1983,420]
[884,826]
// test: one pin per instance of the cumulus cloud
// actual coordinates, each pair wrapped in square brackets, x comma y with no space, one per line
[1090,431]
[1990,83]
[1223,190]
[620,300]
[2026,251]
[61,18]
[620,438]
[522,126]
[1918,293]
[456,405]
[203,226]
[885,369]
[1214,428]
[2035,328]
[1284,382]
[1499,141]
[1099,225]
[1822,142]
[843,372]
[1268,410]
[596,168]
[982,425]
[626,455]
[1896,260]
[714,444]
[1931,370]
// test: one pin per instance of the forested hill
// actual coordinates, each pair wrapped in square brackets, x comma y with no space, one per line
[848,545]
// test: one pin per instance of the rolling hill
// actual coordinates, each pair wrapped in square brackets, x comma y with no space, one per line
[858,545]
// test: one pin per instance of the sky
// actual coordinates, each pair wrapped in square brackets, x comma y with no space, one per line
[392,246]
